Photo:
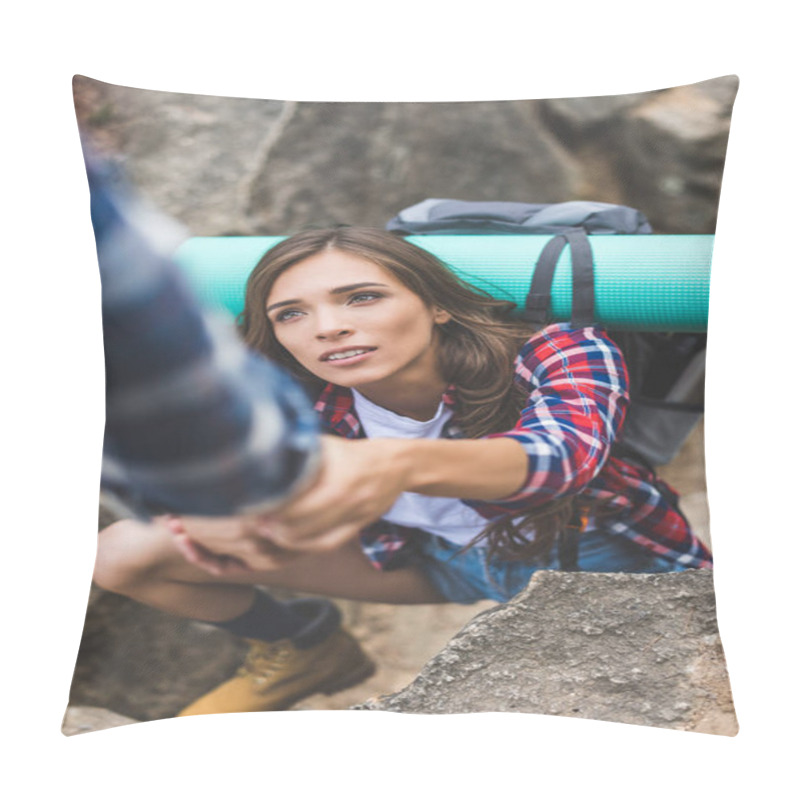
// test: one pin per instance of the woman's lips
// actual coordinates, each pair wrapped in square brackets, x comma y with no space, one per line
[347,356]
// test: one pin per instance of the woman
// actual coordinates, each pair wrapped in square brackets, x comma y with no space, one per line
[482,449]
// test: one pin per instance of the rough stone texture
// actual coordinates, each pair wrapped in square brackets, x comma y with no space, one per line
[641,649]
[143,664]
[83,719]
[192,155]
[573,116]
[240,166]
[673,154]
[360,163]
[662,152]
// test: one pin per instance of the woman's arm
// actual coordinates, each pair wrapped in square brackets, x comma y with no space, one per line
[483,469]
[578,395]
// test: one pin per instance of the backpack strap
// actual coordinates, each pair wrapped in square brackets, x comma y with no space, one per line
[582,278]
[568,550]
[537,311]
[568,541]
[537,303]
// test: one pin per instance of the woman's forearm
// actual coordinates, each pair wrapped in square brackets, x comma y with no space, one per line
[361,479]
[478,469]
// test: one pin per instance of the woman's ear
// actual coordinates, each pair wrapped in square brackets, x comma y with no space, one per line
[440,316]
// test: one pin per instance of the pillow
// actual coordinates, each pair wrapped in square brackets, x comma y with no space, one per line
[254,171]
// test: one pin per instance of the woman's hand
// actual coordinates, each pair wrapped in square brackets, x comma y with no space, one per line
[359,482]
[224,547]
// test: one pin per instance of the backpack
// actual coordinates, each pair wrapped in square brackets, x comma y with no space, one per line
[666,369]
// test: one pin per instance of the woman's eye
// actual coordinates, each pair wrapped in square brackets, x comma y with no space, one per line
[284,316]
[364,297]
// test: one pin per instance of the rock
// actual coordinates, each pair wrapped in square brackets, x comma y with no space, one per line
[673,153]
[239,166]
[360,163]
[641,649]
[191,155]
[225,165]
[83,719]
[576,118]
[662,152]
[140,663]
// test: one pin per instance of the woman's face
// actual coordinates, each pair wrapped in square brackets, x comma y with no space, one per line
[352,323]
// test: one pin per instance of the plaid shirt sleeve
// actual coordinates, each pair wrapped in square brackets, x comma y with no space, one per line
[195,422]
[577,384]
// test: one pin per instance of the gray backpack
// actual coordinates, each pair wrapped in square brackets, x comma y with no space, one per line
[667,370]
[449,217]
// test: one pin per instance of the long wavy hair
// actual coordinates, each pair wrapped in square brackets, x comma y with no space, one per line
[476,350]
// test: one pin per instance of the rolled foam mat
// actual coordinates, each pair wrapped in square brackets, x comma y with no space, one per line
[650,282]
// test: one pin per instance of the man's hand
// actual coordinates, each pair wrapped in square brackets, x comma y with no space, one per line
[359,481]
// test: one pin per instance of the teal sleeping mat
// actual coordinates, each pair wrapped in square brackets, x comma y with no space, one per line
[653,282]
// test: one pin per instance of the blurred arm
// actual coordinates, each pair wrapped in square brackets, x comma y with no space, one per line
[195,422]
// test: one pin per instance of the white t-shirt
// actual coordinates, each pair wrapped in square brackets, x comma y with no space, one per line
[447,517]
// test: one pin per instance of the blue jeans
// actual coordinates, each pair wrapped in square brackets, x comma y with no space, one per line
[469,577]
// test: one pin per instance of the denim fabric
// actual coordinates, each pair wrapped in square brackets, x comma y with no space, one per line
[469,576]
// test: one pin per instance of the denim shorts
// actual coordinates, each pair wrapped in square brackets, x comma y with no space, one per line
[467,577]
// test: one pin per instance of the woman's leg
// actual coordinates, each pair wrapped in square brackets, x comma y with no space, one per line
[296,648]
[140,561]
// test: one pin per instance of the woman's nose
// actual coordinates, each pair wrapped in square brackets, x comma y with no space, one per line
[335,333]
[331,326]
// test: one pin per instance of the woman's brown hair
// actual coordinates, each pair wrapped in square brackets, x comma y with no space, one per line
[476,352]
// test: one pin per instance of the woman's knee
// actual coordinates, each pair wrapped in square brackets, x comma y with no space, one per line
[131,554]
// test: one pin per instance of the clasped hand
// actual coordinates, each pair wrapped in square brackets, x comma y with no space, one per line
[358,482]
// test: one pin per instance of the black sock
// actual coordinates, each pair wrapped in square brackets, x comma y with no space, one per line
[267,619]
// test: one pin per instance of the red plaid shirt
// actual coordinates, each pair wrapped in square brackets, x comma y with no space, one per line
[576,381]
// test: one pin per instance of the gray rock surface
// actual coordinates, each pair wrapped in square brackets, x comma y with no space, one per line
[640,649]
[192,155]
[141,663]
[226,165]
[662,152]
[360,163]
[673,154]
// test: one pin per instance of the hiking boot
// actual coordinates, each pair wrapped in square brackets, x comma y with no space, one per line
[276,675]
